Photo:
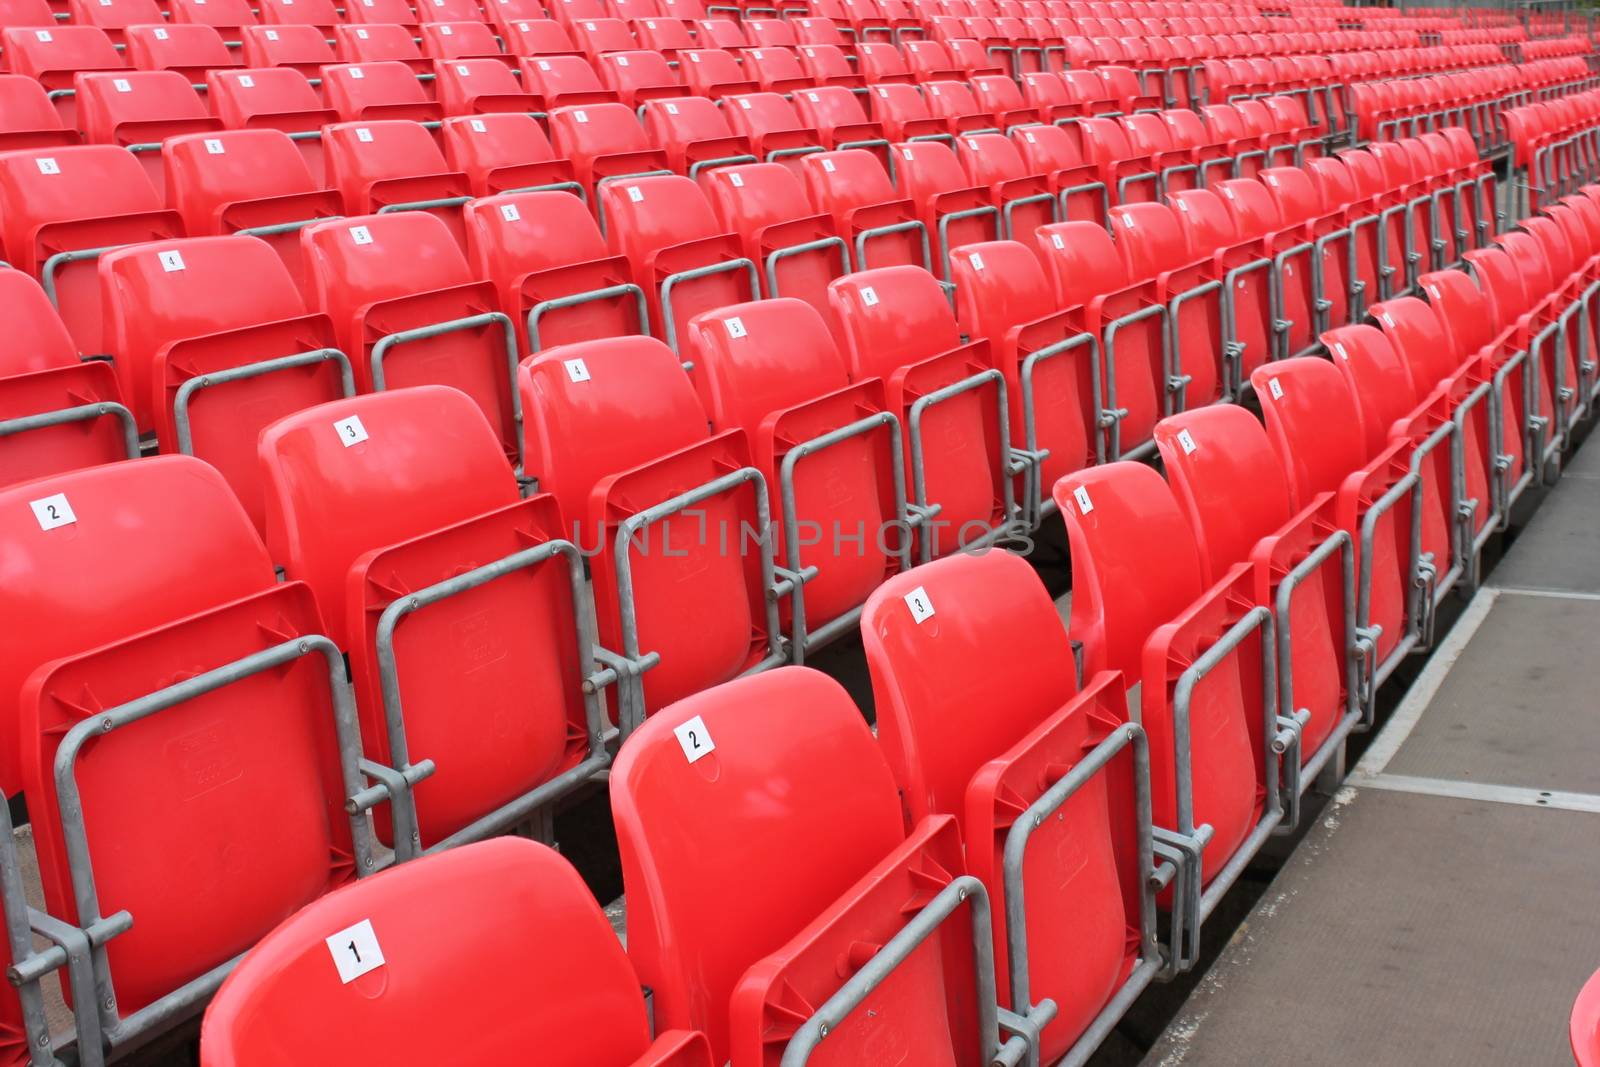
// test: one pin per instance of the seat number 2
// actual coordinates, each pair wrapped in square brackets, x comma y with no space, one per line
[694,739]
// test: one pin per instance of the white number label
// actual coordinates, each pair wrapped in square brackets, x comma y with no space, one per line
[921,607]
[171,261]
[744,103]
[53,511]
[976,260]
[510,213]
[694,738]
[869,296]
[827,165]
[1274,388]
[363,135]
[161,34]
[121,85]
[355,951]
[214,146]
[43,35]
[578,116]
[636,194]
[1081,495]
[1186,442]
[479,126]
[360,235]
[272,35]
[622,61]
[1056,240]
[48,165]
[464,71]
[672,109]
[357,73]
[735,327]
[577,370]
[736,180]
[350,431]
[247,81]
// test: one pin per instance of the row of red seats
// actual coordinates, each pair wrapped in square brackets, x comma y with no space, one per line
[1555,145]
[1222,571]
[1477,99]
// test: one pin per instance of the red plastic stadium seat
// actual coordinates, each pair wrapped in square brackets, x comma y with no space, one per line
[506,907]
[318,13]
[378,276]
[614,431]
[695,134]
[376,499]
[773,127]
[381,13]
[749,976]
[273,98]
[713,72]
[139,110]
[114,16]
[53,58]
[636,76]
[190,50]
[953,208]
[181,315]
[480,86]
[1585,1028]
[958,747]
[379,43]
[502,152]
[227,17]
[377,91]
[55,202]
[1123,515]
[247,181]
[461,40]
[204,597]
[40,373]
[897,326]
[27,119]
[392,165]
[564,80]
[303,49]
[882,228]
[604,142]
[549,263]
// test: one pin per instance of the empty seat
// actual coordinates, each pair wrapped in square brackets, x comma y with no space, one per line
[637,76]
[772,126]
[669,511]
[320,14]
[247,181]
[139,110]
[203,599]
[190,50]
[303,49]
[503,152]
[604,142]
[114,16]
[477,86]
[953,208]
[53,57]
[1121,516]
[381,13]
[565,80]
[713,72]
[897,326]
[461,40]
[211,342]
[379,43]
[27,119]
[681,256]
[392,165]
[1025,199]
[377,91]
[509,903]
[552,270]
[383,504]
[227,17]
[960,745]
[882,228]
[408,311]
[749,976]
[85,420]
[60,206]
[695,134]
[272,99]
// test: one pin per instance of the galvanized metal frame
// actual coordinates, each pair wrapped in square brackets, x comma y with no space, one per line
[518,810]
[910,226]
[1108,415]
[1233,379]
[245,371]
[593,296]
[78,413]
[1041,503]
[778,255]
[1418,576]
[1174,397]
[669,324]
[121,1032]
[984,211]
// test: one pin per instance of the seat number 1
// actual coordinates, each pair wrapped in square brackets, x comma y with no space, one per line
[355,951]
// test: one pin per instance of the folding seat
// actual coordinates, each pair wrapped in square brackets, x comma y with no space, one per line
[392,165]
[1049,363]
[1177,166]
[376,91]
[450,11]
[1289,120]
[61,207]
[1128,176]
[27,118]
[382,13]
[303,49]
[272,98]
[189,50]
[667,36]
[318,13]
[461,40]
[813,30]
[957,747]
[1122,84]
[680,254]
[380,43]
[507,902]
[835,113]
[480,86]
[1084,91]
[1405,215]
[605,142]
[903,113]
[639,76]
[27,14]
[1585,1024]
[1476,205]
[881,62]
[1228,128]
[57,412]
[1089,271]
[1025,199]
[504,152]
[927,60]
[714,73]
[1157,247]
[211,342]
[634,10]
[775,70]
[617,434]
[719,33]
[1323,274]
[407,311]
[551,269]
[774,129]
[1343,190]
[569,11]
[54,58]
[898,326]
[853,187]
[844,812]
[1316,428]
[952,207]
[771,33]
[197,606]
[537,37]
[999,96]
[595,36]
[138,110]
[1258,216]
[382,535]
[251,182]
[1052,152]
[1303,566]
[227,17]
[565,81]
[695,134]
[1211,732]
[114,17]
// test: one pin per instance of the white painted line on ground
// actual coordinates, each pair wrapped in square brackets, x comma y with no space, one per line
[1556,594]
[1496,794]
